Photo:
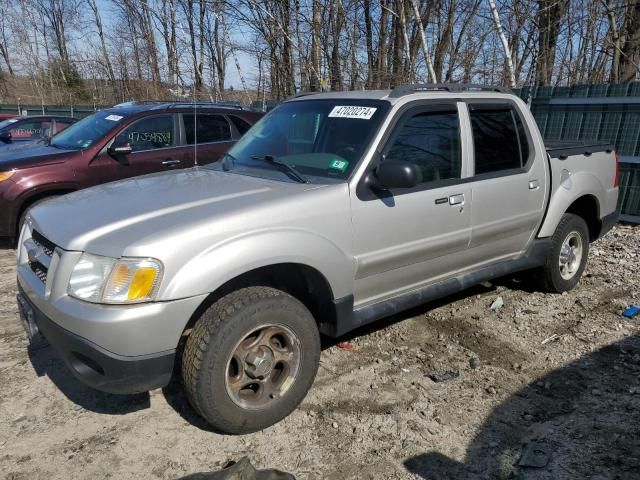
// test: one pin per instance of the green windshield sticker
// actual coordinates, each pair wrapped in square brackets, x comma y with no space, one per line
[339,165]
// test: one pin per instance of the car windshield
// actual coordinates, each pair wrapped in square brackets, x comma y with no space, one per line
[8,122]
[322,138]
[87,131]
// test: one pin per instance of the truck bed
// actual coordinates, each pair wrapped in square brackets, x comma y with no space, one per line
[563,149]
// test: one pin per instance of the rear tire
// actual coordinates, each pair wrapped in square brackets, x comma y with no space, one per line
[567,257]
[250,359]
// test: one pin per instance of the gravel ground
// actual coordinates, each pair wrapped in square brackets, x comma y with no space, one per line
[545,387]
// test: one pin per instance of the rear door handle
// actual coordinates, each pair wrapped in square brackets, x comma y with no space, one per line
[534,185]
[171,162]
[456,199]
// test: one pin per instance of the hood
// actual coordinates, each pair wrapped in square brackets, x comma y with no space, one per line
[30,154]
[115,218]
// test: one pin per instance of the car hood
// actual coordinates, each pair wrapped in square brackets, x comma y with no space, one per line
[130,217]
[29,154]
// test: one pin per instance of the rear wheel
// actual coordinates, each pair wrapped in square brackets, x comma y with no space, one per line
[250,359]
[567,257]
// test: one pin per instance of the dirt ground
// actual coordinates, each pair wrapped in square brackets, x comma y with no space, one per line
[545,387]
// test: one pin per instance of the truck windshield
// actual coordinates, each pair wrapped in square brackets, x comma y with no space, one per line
[87,131]
[324,138]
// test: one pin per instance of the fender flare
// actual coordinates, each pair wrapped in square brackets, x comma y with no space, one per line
[578,185]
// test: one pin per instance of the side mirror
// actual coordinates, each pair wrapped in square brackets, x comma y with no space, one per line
[5,137]
[396,174]
[120,148]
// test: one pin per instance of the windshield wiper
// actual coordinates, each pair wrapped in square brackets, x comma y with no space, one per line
[291,170]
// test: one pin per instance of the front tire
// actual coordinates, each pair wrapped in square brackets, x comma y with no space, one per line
[250,359]
[567,257]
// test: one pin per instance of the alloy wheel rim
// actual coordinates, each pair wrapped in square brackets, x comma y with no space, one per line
[570,257]
[263,366]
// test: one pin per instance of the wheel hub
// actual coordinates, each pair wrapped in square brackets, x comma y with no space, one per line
[263,366]
[570,256]
[259,363]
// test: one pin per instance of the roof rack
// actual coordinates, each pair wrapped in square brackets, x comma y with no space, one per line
[402,90]
[182,103]
[233,105]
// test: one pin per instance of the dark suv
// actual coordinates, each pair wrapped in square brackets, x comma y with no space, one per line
[127,140]
[28,129]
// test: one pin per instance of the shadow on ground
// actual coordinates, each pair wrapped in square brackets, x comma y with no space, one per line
[45,361]
[578,422]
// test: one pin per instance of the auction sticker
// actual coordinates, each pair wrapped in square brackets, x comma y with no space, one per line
[353,111]
[114,118]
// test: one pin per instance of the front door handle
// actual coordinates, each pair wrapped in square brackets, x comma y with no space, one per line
[171,162]
[534,185]
[456,199]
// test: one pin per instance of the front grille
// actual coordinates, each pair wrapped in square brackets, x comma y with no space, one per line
[47,246]
[40,271]
[36,261]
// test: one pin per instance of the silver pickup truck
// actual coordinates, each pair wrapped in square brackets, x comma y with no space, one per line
[333,211]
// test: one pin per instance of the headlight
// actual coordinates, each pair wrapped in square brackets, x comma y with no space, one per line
[6,175]
[108,280]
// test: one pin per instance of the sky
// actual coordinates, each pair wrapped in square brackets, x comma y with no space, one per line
[232,78]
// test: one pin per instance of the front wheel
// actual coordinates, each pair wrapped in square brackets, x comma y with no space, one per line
[567,257]
[250,359]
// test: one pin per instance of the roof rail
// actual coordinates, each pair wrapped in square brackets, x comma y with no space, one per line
[233,105]
[182,103]
[402,90]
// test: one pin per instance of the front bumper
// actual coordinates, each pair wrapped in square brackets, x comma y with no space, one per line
[114,348]
[92,364]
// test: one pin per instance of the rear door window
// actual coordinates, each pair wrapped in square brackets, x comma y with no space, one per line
[205,128]
[499,139]
[149,133]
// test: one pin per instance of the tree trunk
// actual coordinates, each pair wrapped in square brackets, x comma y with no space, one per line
[425,47]
[550,14]
[630,56]
[103,45]
[314,84]
[369,42]
[505,44]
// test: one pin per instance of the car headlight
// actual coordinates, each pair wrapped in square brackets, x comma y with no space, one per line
[109,280]
[6,175]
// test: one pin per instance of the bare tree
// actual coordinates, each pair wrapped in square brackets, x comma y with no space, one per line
[505,43]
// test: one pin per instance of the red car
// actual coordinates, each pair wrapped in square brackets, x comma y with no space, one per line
[123,141]
[32,128]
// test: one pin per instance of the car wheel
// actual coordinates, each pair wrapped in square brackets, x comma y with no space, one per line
[567,257]
[250,359]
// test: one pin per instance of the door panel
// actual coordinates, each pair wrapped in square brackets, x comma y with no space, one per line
[406,238]
[210,152]
[508,200]
[153,141]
